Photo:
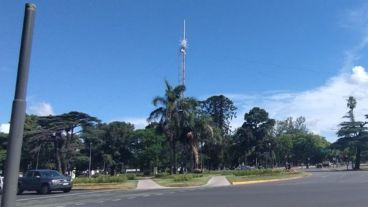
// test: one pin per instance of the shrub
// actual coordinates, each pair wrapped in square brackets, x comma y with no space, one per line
[256,172]
[163,175]
[102,179]
[183,177]
[131,176]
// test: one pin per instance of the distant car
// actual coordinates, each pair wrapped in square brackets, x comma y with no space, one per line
[44,181]
[326,164]
[319,165]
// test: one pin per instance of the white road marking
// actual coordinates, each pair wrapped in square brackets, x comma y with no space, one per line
[158,194]
[63,195]
[116,199]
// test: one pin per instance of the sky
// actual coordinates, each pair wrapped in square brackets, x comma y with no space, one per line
[110,58]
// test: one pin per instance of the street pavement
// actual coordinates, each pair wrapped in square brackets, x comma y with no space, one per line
[321,189]
[147,184]
[217,181]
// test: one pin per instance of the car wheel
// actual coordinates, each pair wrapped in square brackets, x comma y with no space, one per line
[19,190]
[67,190]
[45,189]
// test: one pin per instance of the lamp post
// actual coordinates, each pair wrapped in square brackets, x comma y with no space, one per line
[18,111]
[90,160]
[270,155]
[202,145]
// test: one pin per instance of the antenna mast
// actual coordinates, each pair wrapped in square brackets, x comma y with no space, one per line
[183,51]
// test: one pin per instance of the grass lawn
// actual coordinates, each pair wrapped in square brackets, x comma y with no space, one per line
[130,184]
[183,180]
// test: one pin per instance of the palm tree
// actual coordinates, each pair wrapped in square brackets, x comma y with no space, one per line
[195,127]
[167,114]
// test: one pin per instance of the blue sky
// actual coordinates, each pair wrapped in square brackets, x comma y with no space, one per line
[110,58]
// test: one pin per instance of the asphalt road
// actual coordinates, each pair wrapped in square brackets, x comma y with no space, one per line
[321,189]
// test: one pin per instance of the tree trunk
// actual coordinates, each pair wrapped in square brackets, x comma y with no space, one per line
[194,150]
[171,155]
[57,156]
[196,156]
[357,158]
[174,158]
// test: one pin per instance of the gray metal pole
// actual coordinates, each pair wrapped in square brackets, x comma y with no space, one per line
[18,112]
[90,160]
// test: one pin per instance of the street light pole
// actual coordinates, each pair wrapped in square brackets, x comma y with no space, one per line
[90,160]
[202,145]
[18,111]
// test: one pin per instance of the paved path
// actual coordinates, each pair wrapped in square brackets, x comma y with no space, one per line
[217,181]
[148,184]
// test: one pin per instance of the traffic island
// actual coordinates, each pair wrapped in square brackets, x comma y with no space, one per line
[183,180]
[128,185]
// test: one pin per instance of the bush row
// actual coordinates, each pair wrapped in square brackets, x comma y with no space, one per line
[105,179]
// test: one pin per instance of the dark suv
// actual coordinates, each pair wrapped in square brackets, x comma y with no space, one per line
[44,181]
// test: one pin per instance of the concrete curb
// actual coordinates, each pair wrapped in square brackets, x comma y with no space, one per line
[265,181]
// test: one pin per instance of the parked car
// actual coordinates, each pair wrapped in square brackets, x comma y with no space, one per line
[44,181]
[326,164]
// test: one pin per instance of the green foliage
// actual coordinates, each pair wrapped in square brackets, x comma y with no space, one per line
[182,177]
[3,143]
[298,147]
[110,144]
[131,176]
[148,148]
[289,126]
[256,172]
[352,134]
[222,110]
[102,179]
[53,135]
[167,115]
[162,175]
[254,141]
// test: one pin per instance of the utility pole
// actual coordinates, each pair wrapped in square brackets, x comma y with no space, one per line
[18,111]
[90,160]
[183,51]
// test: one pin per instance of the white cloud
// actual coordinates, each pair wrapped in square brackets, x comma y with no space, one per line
[360,75]
[4,128]
[138,122]
[41,109]
[323,106]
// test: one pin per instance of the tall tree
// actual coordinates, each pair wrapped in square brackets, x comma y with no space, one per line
[222,110]
[167,114]
[149,149]
[254,137]
[352,133]
[59,130]
[289,126]
[3,145]
[195,127]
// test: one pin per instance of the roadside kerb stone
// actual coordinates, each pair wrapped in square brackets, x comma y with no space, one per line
[265,181]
